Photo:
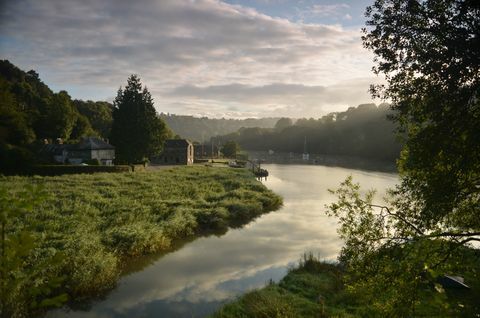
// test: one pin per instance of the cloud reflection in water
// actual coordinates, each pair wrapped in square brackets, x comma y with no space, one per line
[198,278]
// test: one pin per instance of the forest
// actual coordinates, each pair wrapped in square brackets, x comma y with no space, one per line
[201,129]
[363,131]
[30,113]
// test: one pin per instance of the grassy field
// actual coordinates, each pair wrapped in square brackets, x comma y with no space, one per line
[316,289]
[94,222]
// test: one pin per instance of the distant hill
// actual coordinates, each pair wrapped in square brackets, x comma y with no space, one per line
[202,129]
[362,131]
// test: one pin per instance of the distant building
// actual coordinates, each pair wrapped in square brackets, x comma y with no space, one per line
[206,151]
[176,152]
[87,149]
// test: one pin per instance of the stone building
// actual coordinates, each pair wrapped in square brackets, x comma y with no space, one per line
[92,148]
[87,149]
[176,152]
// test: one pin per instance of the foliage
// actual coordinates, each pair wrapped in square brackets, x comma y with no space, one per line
[97,221]
[425,50]
[99,115]
[30,112]
[13,157]
[230,149]
[14,127]
[316,289]
[362,131]
[394,252]
[302,293]
[202,129]
[137,131]
[21,290]
[57,170]
[283,123]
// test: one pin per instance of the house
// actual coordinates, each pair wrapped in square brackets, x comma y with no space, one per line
[176,152]
[87,149]
[92,148]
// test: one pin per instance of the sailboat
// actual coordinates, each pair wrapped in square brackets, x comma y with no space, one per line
[305,155]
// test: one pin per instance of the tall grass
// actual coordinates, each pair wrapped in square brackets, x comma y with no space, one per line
[317,289]
[96,221]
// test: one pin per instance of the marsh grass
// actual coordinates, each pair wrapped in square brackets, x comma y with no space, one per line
[296,295]
[97,221]
[315,288]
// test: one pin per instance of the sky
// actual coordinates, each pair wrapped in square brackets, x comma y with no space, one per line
[232,58]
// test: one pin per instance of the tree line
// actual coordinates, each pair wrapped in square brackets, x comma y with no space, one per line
[31,114]
[363,131]
[201,129]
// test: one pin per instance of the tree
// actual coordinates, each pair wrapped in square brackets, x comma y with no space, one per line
[58,118]
[426,51]
[137,131]
[98,113]
[230,149]
[283,123]
[14,127]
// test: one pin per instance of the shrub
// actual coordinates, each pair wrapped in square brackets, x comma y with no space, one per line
[56,170]
[14,160]
[93,162]
[213,218]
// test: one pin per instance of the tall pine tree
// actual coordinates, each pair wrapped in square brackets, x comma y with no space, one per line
[137,131]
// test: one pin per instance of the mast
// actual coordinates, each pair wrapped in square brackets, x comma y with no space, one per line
[305,155]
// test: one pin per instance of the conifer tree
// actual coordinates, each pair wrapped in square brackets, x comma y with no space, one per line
[137,132]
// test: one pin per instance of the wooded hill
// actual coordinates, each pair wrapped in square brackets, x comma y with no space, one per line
[202,128]
[31,111]
[363,131]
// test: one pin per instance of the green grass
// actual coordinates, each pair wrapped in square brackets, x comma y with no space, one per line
[315,289]
[306,291]
[96,221]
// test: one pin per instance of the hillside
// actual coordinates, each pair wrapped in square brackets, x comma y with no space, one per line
[202,129]
[362,131]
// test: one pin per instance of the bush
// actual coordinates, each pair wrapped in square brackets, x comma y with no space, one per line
[93,162]
[214,218]
[14,160]
[56,170]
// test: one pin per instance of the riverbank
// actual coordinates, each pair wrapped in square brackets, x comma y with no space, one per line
[87,225]
[350,162]
[316,289]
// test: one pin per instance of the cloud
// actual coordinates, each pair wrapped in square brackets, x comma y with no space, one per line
[282,99]
[328,9]
[92,46]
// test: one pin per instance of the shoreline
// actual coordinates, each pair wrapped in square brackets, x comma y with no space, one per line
[96,222]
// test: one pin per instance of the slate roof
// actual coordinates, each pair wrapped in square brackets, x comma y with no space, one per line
[177,143]
[55,149]
[92,143]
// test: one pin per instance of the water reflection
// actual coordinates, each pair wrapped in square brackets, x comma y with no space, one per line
[204,274]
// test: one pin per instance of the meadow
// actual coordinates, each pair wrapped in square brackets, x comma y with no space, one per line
[85,227]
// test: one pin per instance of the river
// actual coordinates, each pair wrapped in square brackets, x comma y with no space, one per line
[198,278]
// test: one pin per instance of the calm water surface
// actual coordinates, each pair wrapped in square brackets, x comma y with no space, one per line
[204,274]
